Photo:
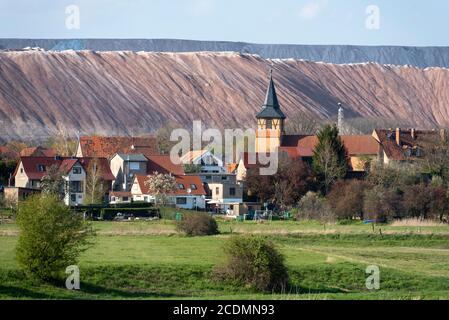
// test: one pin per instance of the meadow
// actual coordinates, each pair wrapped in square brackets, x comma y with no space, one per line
[150,260]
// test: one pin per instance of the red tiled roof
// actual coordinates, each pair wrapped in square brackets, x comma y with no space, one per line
[355,145]
[104,167]
[31,166]
[361,145]
[67,164]
[187,181]
[231,167]
[6,153]
[163,164]
[37,152]
[106,147]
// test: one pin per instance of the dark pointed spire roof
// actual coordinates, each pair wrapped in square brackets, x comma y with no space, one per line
[271,108]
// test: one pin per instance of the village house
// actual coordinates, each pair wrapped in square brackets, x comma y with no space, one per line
[399,145]
[125,167]
[224,194]
[205,159]
[189,194]
[30,171]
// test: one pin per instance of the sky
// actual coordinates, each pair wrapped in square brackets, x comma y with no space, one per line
[357,22]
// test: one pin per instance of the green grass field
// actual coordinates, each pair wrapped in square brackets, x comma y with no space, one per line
[150,260]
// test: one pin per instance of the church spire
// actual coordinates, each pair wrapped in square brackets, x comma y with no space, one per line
[271,108]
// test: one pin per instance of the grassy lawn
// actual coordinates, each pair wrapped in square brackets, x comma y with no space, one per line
[149,260]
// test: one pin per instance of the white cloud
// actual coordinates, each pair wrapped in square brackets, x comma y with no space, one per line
[312,9]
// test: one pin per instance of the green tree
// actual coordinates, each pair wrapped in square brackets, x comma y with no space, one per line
[7,168]
[330,158]
[51,237]
[255,262]
[53,182]
[192,168]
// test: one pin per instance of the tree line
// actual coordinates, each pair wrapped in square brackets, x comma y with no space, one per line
[321,190]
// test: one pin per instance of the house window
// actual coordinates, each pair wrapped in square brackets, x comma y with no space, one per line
[193,187]
[232,191]
[41,168]
[112,199]
[181,201]
[73,197]
[145,199]
[76,170]
[21,170]
[208,177]
[181,186]
[217,190]
[134,166]
[76,186]
[224,178]
[125,199]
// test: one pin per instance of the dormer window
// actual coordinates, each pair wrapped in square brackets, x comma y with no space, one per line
[181,186]
[76,170]
[193,187]
[41,168]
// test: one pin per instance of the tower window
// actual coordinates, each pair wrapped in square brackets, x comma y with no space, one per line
[269,124]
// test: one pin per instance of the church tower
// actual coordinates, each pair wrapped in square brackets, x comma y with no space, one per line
[270,122]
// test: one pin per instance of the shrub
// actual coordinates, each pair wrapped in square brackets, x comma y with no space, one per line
[198,224]
[425,202]
[51,236]
[346,199]
[254,262]
[314,207]
[382,204]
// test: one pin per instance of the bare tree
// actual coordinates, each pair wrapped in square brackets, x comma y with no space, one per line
[303,123]
[53,182]
[95,189]
[163,137]
[62,143]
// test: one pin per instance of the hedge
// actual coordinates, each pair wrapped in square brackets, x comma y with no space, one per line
[135,204]
[111,213]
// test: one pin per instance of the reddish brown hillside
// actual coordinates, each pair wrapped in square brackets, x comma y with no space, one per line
[126,92]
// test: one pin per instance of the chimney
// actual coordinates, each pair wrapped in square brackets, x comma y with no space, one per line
[413,133]
[398,136]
